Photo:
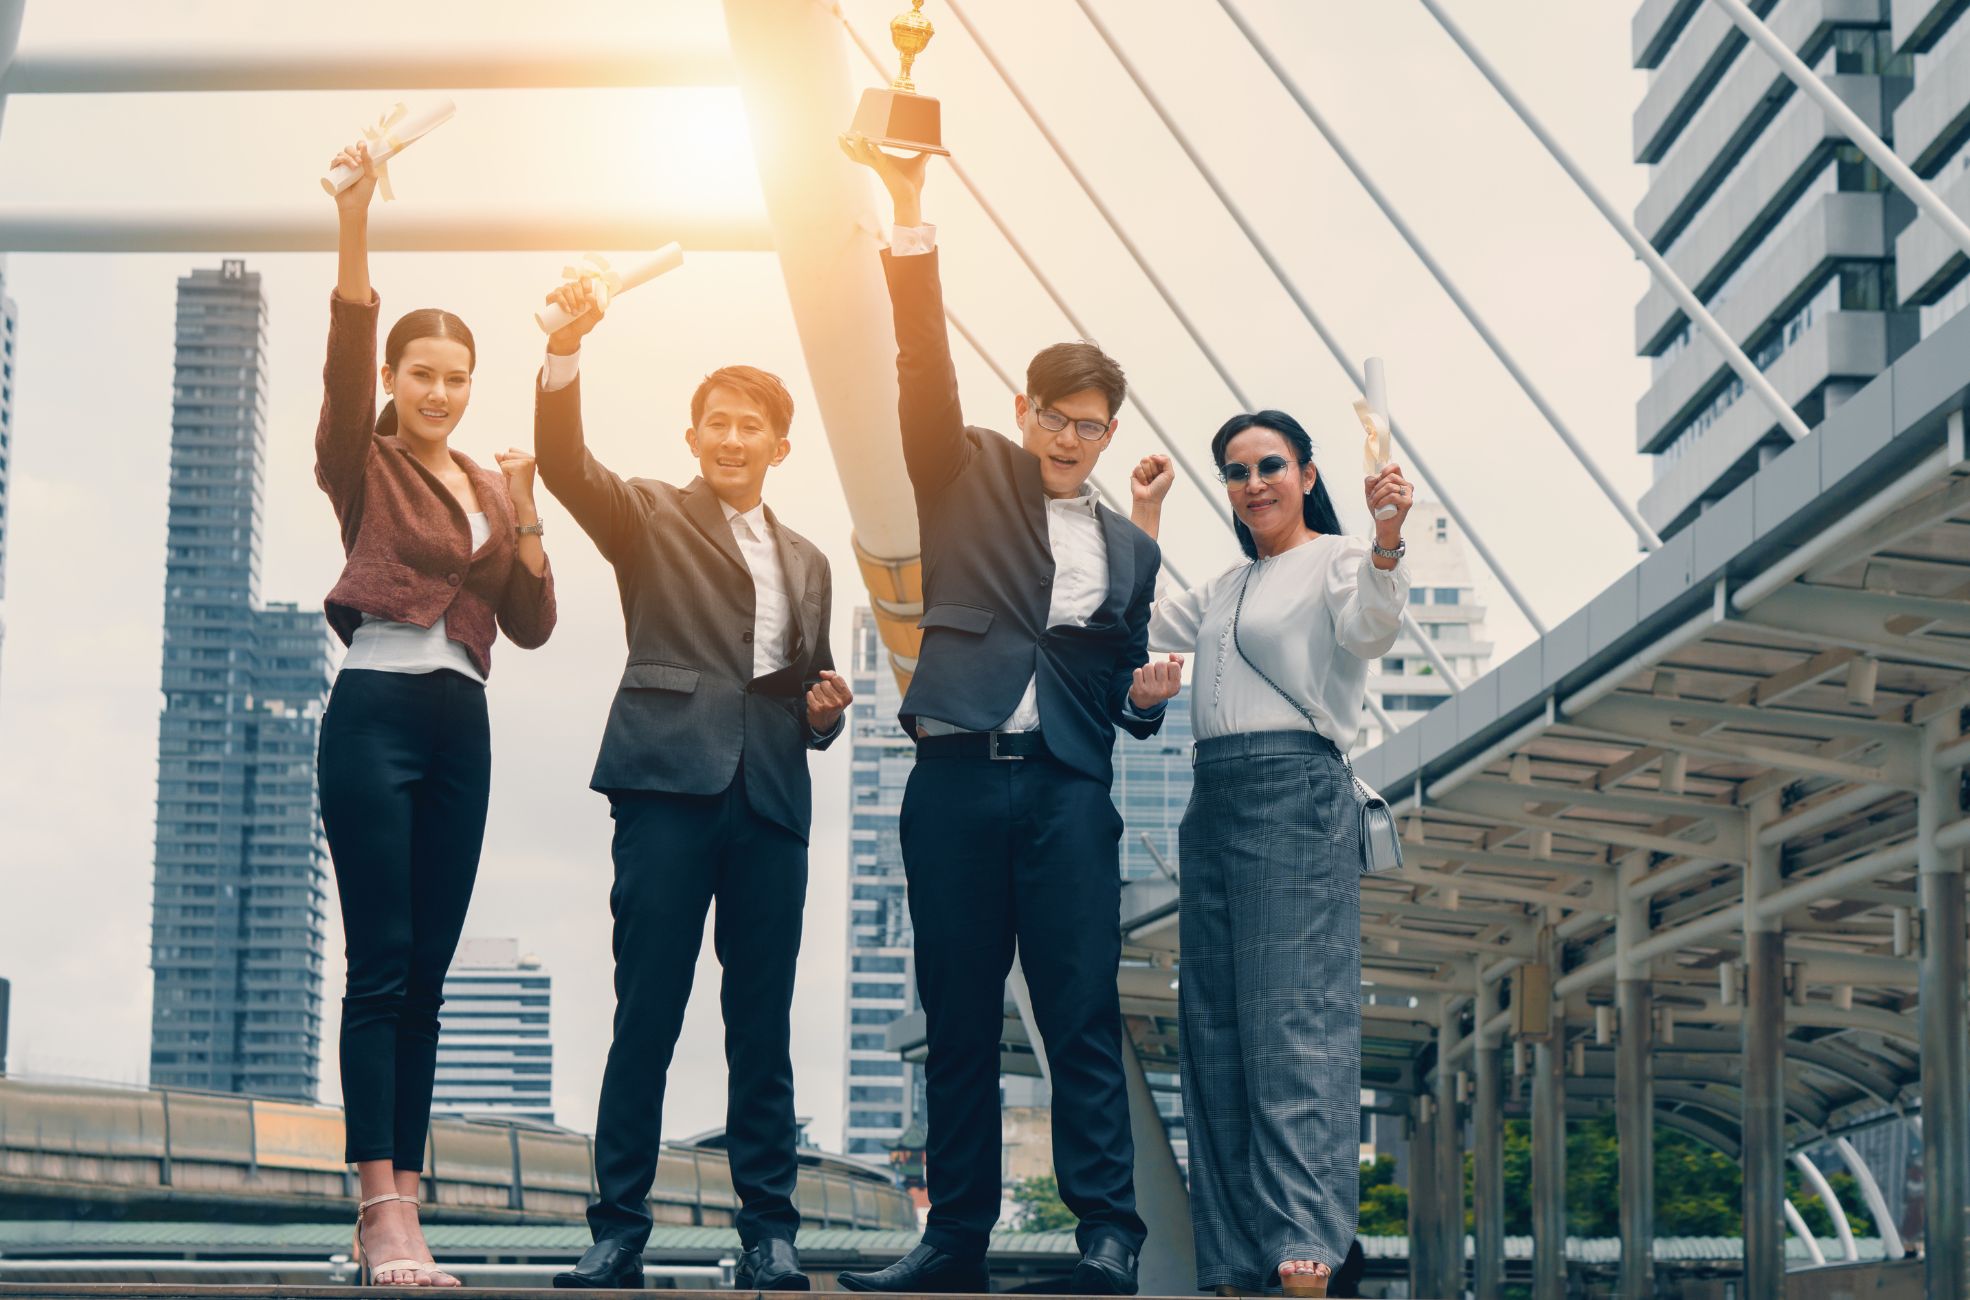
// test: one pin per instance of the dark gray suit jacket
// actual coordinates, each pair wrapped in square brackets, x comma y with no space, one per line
[688,707]
[988,565]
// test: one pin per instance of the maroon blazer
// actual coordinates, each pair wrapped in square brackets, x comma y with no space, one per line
[407,538]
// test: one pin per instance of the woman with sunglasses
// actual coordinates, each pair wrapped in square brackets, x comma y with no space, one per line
[1270,854]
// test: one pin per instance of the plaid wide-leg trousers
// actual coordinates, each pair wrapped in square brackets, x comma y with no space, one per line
[1269,991]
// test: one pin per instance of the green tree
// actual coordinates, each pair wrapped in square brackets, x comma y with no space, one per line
[1040,1207]
[1384,1204]
[1699,1191]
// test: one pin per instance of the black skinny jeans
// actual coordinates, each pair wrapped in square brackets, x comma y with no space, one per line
[405,771]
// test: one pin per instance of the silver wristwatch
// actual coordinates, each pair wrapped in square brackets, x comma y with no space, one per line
[1401,549]
[535,529]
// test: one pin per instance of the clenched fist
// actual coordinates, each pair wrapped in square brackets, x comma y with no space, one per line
[826,699]
[1156,683]
[1151,481]
[518,467]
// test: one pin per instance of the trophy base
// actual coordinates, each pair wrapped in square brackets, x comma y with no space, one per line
[897,119]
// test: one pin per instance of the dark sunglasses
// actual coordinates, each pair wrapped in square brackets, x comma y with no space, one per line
[1053,422]
[1237,472]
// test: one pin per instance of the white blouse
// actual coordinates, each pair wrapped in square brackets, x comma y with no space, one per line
[1314,616]
[387,647]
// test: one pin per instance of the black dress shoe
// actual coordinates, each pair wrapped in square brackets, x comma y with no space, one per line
[924,1271]
[772,1265]
[606,1266]
[1107,1269]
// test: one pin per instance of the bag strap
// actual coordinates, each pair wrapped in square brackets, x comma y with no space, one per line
[1238,613]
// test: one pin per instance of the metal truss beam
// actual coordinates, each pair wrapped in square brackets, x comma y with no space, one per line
[109,65]
[1616,718]
[129,228]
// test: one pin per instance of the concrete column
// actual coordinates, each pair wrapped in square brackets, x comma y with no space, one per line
[1940,1010]
[1549,1146]
[1169,1258]
[1488,1134]
[1764,1073]
[1423,1234]
[1449,1167]
[1634,1088]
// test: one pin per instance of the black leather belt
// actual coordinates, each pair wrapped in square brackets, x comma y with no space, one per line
[1005,746]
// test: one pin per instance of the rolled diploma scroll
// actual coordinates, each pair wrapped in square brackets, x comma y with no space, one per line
[609,281]
[392,134]
[1374,416]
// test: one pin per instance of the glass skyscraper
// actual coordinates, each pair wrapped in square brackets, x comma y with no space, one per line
[236,943]
[882,1092]
[494,1053]
[1152,787]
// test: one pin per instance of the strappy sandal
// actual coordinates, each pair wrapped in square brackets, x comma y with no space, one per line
[366,1273]
[429,1268]
[1307,1281]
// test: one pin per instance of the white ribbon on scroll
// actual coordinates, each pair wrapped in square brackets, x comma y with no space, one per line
[1374,416]
[392,134]
[608,281]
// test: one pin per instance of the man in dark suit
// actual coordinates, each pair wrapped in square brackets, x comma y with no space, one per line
[729,684]
[1035,648]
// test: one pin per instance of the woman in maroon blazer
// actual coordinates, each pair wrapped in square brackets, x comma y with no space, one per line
[439,552]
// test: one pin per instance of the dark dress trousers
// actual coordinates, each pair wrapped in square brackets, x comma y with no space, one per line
[1013,855]
[705,767]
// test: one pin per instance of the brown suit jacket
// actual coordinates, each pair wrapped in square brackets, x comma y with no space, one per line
[409,545]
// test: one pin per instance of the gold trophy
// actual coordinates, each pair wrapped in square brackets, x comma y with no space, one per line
[898,117]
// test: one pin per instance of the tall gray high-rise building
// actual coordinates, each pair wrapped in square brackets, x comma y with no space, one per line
[495,1056]
[1781,225]
[1152,788]
[881,1092]
[237,921]
[9,323]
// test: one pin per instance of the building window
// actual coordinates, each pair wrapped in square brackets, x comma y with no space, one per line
[1442,529]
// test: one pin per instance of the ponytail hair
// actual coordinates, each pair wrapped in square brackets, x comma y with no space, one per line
[1317,508]
[424,323]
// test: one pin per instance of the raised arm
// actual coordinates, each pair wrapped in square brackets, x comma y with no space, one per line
[343,435]
[607,508]
[1365,591]
[926,381]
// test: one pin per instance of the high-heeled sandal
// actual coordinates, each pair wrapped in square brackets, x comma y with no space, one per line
[430,1268]
[366,1273]
[1306,1282]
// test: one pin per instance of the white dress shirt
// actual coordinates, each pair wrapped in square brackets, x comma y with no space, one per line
[772,617]
[1080,582]
[1314,616]
[772,613]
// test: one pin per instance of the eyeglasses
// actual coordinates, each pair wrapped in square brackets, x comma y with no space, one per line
[1237,472]
[1053,422]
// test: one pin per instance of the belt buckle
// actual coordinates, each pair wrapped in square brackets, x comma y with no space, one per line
[992,749]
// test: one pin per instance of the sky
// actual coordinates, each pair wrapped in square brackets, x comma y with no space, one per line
[79,694]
